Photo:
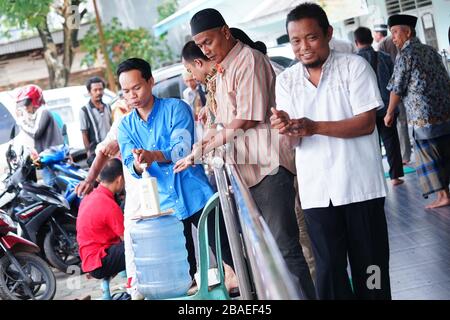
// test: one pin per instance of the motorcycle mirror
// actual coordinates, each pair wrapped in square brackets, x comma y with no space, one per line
[11,156]
[13,132]
[8,159]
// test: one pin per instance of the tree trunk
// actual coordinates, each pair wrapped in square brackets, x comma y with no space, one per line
[58,76]
[58,71]
[70,31]
[67,36]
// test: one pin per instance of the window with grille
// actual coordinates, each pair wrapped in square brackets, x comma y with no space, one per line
[349,22]
[397,6]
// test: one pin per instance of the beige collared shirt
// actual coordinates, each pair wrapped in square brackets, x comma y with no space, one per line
[245,90]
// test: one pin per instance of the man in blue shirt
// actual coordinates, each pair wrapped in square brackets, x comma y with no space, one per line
[159,132]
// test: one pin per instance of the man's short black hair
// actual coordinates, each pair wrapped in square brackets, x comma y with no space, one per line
[240,35]
[112,169]
[309,10]
[191,52]
[92,80]
[135,64]
[363,35]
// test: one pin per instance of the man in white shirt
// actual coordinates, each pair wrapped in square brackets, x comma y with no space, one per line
[109,148]
[193,94]
[327,105]
[195,97]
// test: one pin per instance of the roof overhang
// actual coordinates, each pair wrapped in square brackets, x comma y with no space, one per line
[183,15]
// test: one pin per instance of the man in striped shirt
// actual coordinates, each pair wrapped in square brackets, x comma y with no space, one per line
[245,92]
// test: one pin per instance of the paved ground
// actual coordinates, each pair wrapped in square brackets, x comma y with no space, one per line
[71,287]
[419,254]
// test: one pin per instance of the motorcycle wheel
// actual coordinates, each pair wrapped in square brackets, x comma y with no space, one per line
[12,286]
[57,250]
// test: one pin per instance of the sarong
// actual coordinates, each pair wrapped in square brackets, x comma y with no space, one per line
[433,164]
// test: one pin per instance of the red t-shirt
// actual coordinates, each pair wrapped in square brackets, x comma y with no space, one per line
[99,226]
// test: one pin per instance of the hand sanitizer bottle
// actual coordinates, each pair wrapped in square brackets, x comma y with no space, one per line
[149,195]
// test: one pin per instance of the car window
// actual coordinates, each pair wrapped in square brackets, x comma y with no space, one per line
[6,124]
[282,61]
[57,102]
[65,112]
[170,88]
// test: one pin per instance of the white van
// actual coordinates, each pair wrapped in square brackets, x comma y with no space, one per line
[66,102]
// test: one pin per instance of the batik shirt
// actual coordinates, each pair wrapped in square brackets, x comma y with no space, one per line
[211,98]
[421,80]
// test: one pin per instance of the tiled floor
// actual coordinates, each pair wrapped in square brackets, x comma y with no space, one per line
[419,244]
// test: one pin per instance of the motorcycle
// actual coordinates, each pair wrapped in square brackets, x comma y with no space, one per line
[68,174]
[23,275]
[43,215]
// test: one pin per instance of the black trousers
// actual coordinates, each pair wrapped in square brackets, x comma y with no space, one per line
[275,198]
[112,263]
[389,136]
[357,231]
[224,245]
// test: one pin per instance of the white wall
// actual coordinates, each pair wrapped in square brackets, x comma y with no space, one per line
[441,12]
[25,68]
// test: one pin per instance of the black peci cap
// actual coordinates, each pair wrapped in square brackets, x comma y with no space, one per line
[402,19]
[206,19]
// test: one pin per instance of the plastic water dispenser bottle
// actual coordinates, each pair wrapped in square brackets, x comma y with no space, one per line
[160,252]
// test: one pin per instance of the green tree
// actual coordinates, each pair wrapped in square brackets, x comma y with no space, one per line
[33,14]
[167,8]
[124,43]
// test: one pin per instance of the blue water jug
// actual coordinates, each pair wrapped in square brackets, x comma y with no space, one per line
[160,254]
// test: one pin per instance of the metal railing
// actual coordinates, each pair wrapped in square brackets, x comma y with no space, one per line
[250,237]
[445,60]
